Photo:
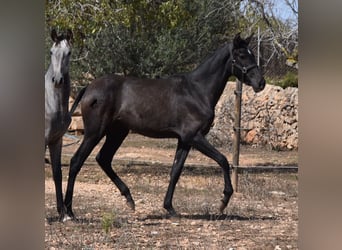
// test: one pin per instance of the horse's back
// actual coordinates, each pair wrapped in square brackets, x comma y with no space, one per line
[125,90]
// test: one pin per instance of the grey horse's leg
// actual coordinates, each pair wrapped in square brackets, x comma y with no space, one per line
[55,150]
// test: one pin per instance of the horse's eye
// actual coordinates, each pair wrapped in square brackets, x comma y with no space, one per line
[50,53]
[69,53]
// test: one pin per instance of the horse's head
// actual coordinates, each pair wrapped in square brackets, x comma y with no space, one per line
[60,56]
[244,65]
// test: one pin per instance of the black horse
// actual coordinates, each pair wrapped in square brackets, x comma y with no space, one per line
[181,106]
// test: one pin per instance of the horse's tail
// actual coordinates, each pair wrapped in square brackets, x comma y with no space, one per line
[77,100]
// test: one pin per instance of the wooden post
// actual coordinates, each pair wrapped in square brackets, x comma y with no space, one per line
[236,141]
[258,58]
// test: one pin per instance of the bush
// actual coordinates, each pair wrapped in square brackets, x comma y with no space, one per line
[289,80]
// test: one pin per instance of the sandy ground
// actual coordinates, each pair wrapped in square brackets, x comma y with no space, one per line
[262,215]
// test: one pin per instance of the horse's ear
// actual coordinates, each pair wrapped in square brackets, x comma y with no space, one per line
[54,35]
[248,39]
[69,35]
[237,40]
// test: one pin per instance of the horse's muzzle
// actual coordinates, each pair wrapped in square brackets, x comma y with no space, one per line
[261,86]
[58,82]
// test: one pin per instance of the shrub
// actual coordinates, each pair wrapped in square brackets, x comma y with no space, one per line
[289,80]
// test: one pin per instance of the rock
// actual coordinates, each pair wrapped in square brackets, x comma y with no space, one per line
[269,117]
[251,135]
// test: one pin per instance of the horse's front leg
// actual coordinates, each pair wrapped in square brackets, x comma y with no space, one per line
[200,143]
[55,150]
[178,163]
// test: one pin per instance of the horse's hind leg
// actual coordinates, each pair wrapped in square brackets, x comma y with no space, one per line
[114,138]
[55,150]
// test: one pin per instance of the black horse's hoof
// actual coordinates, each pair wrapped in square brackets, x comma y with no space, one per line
[131,205]
[223,205]
[172,213]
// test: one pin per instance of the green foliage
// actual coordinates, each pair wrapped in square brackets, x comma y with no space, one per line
[289,80]
[142,37]
[107,222]
[111,220]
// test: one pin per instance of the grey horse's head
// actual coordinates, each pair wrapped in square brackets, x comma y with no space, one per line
[60,56]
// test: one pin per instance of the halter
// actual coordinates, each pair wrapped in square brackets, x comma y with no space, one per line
[244,69]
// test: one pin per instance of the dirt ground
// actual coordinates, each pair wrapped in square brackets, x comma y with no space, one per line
[263,214]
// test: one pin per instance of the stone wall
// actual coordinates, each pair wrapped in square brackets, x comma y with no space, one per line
[268,118]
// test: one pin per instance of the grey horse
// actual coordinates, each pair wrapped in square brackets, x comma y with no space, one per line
[57,115]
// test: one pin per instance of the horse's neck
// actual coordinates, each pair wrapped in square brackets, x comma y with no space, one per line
[57,99]
[210,77]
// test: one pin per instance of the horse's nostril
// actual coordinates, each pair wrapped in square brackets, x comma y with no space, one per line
[262,84]
[58,81]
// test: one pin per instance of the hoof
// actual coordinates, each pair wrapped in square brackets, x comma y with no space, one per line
[172,213]
[67,218]
[131,205]
[222,207]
